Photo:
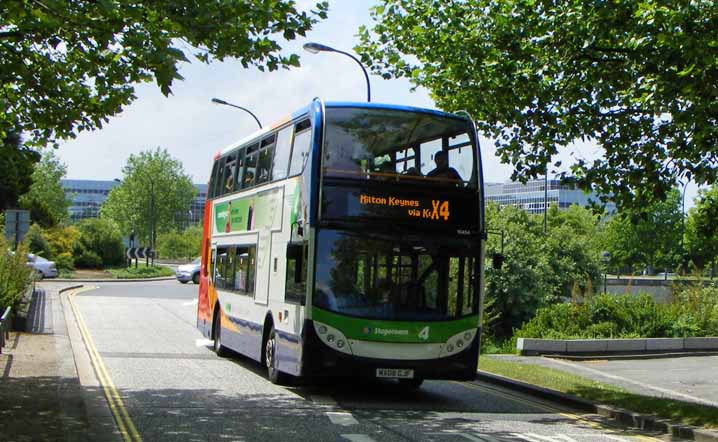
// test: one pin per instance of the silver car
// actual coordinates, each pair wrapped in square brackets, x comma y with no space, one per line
[43,267]
[189,272]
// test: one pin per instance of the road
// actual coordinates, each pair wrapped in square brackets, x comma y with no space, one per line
[174,388]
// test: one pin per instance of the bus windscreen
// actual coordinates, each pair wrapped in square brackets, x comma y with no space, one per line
[399,146]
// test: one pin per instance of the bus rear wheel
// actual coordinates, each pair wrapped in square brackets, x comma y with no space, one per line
[270,359]
[220,349]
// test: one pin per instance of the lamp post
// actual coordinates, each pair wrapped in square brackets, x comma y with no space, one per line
[606,258]
[316,48]
[218,101]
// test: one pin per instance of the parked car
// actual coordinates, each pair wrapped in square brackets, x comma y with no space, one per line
[43,267]
[189,272]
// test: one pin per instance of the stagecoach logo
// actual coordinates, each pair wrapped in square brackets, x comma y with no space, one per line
[385,331]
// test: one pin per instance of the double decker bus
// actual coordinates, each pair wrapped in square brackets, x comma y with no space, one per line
[348,240]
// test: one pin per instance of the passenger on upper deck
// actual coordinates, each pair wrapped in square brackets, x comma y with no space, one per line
[441,158]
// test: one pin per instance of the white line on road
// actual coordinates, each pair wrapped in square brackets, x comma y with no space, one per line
[193,302]
[203,342]
[640,384]
[341,418]
[358,438]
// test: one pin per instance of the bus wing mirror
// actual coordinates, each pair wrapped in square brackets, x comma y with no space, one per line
[497,261]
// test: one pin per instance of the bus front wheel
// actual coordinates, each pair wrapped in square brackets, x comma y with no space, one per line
[270,359]
[220,349]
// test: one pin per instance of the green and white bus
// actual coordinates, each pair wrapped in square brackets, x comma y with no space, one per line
[348,240]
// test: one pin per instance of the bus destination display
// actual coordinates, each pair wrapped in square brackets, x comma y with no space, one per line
[439,209]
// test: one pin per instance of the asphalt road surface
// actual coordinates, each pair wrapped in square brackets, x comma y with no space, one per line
[174,388]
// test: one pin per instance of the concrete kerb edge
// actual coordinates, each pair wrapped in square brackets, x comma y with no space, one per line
[627,417]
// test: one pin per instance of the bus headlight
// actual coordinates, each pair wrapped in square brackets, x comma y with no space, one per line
[456,343]
[332,337]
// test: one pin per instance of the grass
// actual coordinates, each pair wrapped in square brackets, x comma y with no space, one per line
[142,271]
[686,412]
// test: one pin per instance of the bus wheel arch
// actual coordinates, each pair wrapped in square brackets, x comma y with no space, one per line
[269,353]
[266,329]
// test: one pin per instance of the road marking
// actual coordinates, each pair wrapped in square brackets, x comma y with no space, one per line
[117,407]
[549,408]
[358,438]
[193,302]
[343,418]
[203,342]
[640,384]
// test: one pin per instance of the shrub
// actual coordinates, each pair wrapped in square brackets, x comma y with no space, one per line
[88,260]
[99,239]
[15,275]
[180,245]
[610,316]
[36,241]
[62,242]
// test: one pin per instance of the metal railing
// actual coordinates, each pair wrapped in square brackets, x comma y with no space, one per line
[5,320]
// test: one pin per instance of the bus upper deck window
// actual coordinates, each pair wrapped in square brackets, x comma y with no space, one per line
[302,144]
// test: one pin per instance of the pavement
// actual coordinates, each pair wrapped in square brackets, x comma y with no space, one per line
[686,378]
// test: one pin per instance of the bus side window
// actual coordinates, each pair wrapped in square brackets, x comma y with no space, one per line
[300,150]
[296,288]
[240,170]
[281,154]
[212,179]
[250,166]
[266,155]
[218,183]
[230,168]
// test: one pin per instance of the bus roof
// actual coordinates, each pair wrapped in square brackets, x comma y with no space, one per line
[332,104]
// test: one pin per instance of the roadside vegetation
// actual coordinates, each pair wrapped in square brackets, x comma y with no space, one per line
[142,271]
[15,275]
[180,244]
[601,393]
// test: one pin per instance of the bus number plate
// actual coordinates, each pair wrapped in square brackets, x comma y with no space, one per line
[396,373]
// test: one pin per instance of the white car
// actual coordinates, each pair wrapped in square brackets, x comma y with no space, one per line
[43,267]
[189,272]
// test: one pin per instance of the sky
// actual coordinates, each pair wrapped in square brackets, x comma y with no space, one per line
[192,128]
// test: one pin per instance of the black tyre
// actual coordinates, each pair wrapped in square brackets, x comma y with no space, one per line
[195,278]
[220,349]
[411,384]
[270,359]
[182,282]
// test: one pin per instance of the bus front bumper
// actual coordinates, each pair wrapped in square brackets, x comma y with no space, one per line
[318,360]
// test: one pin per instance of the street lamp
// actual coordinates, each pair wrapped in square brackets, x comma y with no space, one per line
[606,258]
[316,48]
[218,101]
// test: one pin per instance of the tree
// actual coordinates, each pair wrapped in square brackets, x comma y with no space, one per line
[701,236]
[46,199]
[636,77]
[153,197]
[16,166]
[66,66]
[648,237]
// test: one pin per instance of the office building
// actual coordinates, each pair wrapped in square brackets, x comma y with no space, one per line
[531,197]
[88,195]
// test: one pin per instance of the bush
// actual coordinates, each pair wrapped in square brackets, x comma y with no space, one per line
[180,245]
[15,275]
[141,272]
[99,243]
[36,241]
[88,260]
[609,316]
[62,242]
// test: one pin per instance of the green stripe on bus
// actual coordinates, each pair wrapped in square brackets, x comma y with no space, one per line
[395,331]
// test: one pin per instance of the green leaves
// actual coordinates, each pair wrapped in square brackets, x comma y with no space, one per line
[68,66]
[636,77]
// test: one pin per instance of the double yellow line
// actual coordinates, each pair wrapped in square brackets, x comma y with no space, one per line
[119,412]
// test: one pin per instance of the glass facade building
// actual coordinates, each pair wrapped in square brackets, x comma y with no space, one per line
[88,195]
[530,196]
